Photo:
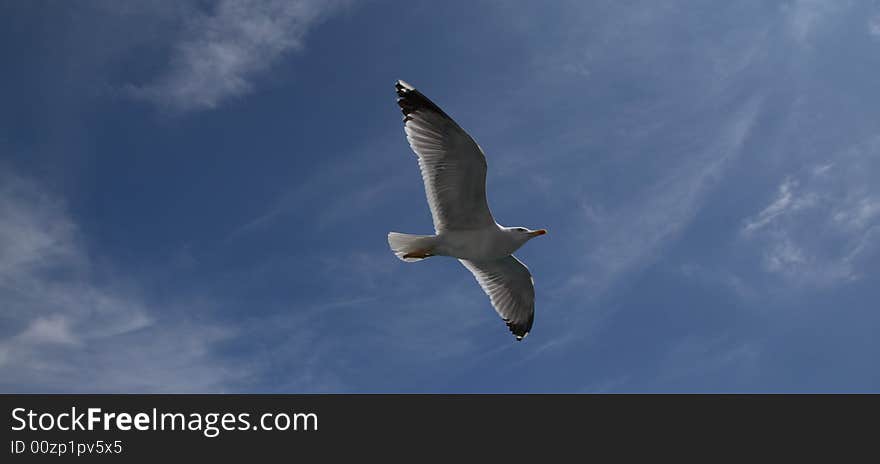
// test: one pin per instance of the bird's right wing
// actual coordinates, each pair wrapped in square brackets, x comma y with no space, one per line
[511,290]
[452,164]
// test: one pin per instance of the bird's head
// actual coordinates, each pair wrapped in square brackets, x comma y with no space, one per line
[525,234]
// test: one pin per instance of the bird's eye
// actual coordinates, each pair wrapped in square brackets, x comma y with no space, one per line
[521,229]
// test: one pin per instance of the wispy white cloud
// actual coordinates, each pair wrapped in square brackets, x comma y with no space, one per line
[874,26]
[823,223]
[226,47]
[804,18]
[630,238]
[63,331]
[667,142]
[719,276]
[784,203]
[328,197]
[706,356]
[53,330]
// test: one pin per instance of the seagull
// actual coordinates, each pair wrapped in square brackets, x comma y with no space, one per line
[454,173]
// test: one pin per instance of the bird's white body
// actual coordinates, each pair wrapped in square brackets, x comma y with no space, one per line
[484,244]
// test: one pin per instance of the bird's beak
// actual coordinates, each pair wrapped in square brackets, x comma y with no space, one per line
[538,232]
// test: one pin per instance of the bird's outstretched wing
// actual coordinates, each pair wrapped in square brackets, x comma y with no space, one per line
[452,164]
[511,290]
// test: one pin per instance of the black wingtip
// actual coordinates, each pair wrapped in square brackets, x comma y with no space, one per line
[519,331]
[402,86]
[411,100]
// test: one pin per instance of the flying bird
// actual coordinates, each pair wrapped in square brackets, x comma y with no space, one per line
[454,173]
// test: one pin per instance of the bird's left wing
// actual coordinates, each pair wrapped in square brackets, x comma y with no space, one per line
[453,165]
[511,290]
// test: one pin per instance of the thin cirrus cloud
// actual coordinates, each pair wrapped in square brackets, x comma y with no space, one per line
[631,240]
[63,331]
[805,17]
[874,26]
[823,225]
[222,51]
[784,203]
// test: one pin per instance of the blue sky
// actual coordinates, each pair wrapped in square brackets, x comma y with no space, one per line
[194,196]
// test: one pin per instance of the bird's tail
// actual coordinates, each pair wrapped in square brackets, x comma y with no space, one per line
[411,248]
